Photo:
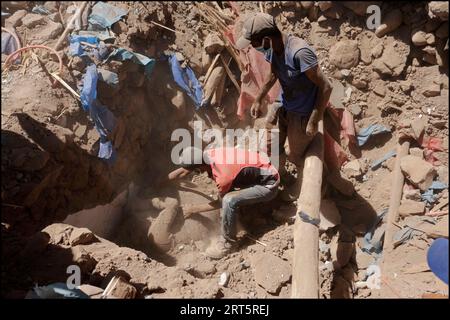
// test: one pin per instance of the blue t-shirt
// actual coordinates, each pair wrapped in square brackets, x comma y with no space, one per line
[298,92]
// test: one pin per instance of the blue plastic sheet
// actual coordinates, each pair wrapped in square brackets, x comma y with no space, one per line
[122,54]
[9,45]
[76,48]
[186,79]
[373,246]
[58,290]
[429,195]
[103,118]
[377,163]
[104,15]
[369,131]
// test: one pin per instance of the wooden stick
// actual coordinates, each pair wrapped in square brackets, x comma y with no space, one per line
[261,6]
[162,26]
[62,38]
[439,206]
[257,241]
[230,74]
[305,268]
[211,67]
[396,195]
[436,213]
[60,80]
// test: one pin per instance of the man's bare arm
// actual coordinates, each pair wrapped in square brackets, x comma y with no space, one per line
[268,84]
[316,75]
[178,173]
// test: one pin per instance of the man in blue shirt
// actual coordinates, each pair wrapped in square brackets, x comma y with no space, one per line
[305,89]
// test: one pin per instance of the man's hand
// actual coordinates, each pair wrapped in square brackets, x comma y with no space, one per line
[313,123]
[255,109]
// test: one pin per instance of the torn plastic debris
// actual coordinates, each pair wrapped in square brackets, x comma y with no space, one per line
[76,48]
[377,163]
[104,15]
[122,54]
[40,10]
[103,119]
[56,290]
[377,246]
[186,79]
[365,133]
[9,44]
[102,35]
[429,196]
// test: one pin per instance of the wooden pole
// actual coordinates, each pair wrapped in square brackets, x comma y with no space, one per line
[305,268]
[396,195]
[62,38]
[230,75]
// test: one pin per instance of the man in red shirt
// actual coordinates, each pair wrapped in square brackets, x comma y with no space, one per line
[242,177]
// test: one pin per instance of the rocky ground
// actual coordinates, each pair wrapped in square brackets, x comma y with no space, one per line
[396,76]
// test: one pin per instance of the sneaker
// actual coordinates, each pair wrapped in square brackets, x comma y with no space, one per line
[218,249]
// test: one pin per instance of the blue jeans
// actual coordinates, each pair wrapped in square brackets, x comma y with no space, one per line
[232,202]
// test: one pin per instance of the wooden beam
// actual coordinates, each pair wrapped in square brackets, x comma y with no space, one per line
[305,268]
[230,75]
[395,197]
[76,15]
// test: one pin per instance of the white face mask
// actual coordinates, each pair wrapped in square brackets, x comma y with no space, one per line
[267,52]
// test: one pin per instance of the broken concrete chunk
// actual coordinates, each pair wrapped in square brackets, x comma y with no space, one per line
[419,38]
[31,20]
[417,152]
[81,236]
[419,172]
[438,9]
[16,19]
[418,127]
[377,51]
[345,54]
[352,168]
[432,90]
[271,272]
[411,207]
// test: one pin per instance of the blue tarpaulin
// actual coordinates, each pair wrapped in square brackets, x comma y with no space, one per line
[429,195]
[58,290]
[367,132]
[9,44]
[104,119]
[186,79]
[369,245]
[377,163]
[122,54]
[104,15]
[76,48]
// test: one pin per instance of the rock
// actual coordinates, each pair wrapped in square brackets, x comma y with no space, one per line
[271,272]
[440,230]
[393,60]
[430,38]
[419,172]
[432,90]
[51,31]
[83,259]
[16,19]
[412,194]
[359,83]
[380,89]
[51,6]
[81,236]
[438,9]
[31,20]
[80,131]
[392,20]
[91,291]
[356,110]
[179,56]
[307,4]
[321,19]
[213,44]
[344,54]
[223,280]
[325,5]
[122,289]
[352,168]
[419,38]
[416,152]
[329,214]
[377,51]
[205,268]
[418,127]
[411,207]
[442,31]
